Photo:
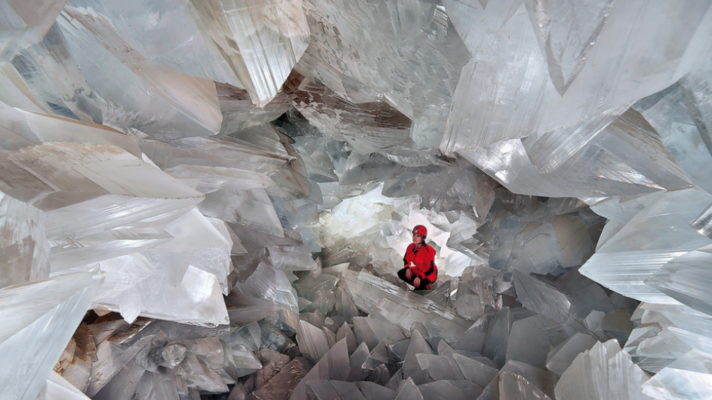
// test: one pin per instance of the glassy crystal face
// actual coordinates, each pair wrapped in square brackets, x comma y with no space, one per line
[215,198]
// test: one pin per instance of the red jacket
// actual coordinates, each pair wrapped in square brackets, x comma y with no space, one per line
[424,260]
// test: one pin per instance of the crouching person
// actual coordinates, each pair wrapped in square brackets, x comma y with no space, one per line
[419,261]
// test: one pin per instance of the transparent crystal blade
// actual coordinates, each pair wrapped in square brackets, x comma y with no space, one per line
[46,312]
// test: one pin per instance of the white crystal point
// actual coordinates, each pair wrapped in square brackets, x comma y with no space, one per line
[513,386]
[332,365]
[37,67]
[561,357]
[198,48]
[268,283]
[689,377]
[25,23]
[603,372]
[312,341]
[42,313]
[683,278]
[136,286]
[673,116]
[624,136]
[508,162]
[58,388]
[206,239]
[657,234]
[226,152]
[162,103]
[539,378]
[409,390]
[531,338]
[270,38]
[521,99]
[542,298]
[292,258]
[87,189]
[16,93]
[567,33]
[493,102]
[38,128]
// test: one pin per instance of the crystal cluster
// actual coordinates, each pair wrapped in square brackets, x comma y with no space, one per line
[210,199]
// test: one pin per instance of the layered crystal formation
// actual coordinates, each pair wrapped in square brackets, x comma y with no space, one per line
[205,199]
[247,44]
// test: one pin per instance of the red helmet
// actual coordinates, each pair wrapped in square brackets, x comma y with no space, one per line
[420,230]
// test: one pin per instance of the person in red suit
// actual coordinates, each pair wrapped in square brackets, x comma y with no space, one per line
[419,261]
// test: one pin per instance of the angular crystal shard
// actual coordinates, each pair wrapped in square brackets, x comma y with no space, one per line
[43,313]
[493,102]
[355,51]
[374,391]
[540,378]
[439,367]
[369,127]
[239,113]
[244,310]
[25,23]
[24,250]
[671,114]
[542,298]
[686,378]
[604,371]
[563,125]
[697,90]
[656,235]
[449,389]
[90,178]
[408,390]
[333,365]
[475,370]
[271,284]
[164,104]
[531,338]
[559,358]
[474,337]
[312,341]
[266,39]
[513,386]
[249,207]
[60,388]
[134,285]
[412,368]
[38,128]
[402,308]
[292,258]
[568,41]
[680,279]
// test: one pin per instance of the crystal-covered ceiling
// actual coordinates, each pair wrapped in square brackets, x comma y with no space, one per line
[210,199]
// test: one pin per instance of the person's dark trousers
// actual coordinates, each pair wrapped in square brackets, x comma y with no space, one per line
[424,282]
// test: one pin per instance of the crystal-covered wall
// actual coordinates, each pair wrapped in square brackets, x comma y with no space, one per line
[210,199]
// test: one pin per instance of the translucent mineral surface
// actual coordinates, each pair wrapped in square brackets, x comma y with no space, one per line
[211,199]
